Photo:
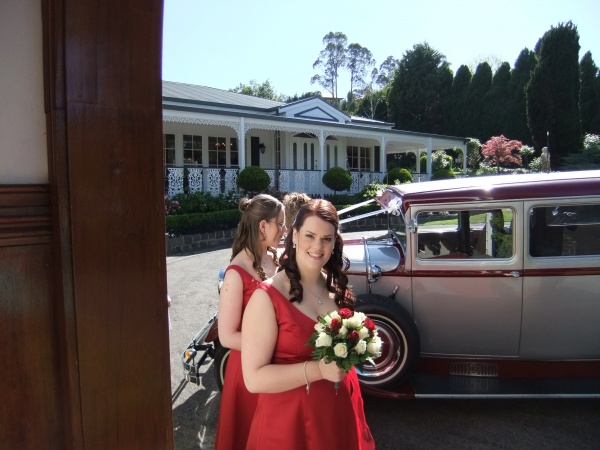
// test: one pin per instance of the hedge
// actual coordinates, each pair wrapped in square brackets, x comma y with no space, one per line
[179,225]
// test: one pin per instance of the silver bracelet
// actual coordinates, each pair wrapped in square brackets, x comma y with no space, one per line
[306,379]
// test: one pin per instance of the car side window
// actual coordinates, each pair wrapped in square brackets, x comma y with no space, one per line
[471,233]
[564,230]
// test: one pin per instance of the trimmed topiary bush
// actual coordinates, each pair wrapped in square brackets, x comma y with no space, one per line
[442,174]
[253,179]
[337,179]
[398,174]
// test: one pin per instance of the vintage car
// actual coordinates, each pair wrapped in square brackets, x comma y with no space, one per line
[479,287]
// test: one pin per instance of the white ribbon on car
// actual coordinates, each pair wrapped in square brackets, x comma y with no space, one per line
[394,206]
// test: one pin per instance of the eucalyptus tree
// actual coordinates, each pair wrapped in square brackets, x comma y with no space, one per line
[359,62]
[589,94]
[418,90]
[553,94]
[331,59]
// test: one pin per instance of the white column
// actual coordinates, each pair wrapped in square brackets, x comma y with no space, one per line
[321,158]
[382,158]
[429,148]
[465,157]
[242,146]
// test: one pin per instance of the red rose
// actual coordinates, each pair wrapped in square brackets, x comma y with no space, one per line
[369,324]
[354,336]
[345,313]
[335,325]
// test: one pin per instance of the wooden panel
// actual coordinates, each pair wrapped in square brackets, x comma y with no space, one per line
[28,348]
[105,151]
[24,215]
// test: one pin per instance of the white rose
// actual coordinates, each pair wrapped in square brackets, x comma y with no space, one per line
[343,332]
[363,333]
[353,322]
[361,347]
[324,340]
[374,347]
[319,328]
[340,350]
[360,316]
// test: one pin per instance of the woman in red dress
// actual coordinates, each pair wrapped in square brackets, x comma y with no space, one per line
[299,406]
[254,258]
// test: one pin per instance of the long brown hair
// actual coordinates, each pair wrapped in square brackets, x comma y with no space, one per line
[335,269]
[261,207]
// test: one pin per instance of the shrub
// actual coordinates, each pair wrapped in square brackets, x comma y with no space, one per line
[195,202]
[253,179]
[370,190]
[398,174]
[178,225]
[442,174]
[337,179]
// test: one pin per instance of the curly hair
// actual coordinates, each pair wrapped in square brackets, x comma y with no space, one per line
[336,280]
[292,202]
[259,208]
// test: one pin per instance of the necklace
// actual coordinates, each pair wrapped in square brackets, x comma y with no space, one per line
[313,294]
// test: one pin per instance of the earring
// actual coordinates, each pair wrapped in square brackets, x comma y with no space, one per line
[333,251]
[293,244]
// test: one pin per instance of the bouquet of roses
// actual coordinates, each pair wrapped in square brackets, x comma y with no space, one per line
[346,337]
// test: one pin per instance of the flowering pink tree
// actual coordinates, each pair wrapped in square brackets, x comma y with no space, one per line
[500,151]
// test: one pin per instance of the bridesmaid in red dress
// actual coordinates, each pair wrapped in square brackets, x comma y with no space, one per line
[298,405]
[254,258]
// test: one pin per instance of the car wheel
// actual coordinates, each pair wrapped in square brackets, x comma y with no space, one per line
[220,364]
[401,343]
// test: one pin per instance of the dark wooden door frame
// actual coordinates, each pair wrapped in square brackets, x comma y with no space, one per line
[102,84]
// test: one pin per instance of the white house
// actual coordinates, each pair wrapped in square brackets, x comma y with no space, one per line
[209,135]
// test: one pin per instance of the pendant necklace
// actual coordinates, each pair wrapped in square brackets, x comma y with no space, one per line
[313,294]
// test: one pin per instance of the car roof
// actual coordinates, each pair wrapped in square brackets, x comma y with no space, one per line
[495,187]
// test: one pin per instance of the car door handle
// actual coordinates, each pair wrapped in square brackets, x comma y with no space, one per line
[514,274]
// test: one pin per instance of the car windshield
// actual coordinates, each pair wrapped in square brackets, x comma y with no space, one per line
[397,229]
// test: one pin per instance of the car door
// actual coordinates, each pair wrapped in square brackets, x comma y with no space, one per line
[466,263]
[561,305]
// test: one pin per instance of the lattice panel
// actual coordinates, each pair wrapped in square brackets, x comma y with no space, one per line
[230,179]
[284,180]
[355,180]
[214,181]
[175,177]
[271,174]
[299,182]
[195,179]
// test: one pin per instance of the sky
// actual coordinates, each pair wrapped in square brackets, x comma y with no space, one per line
[223,43]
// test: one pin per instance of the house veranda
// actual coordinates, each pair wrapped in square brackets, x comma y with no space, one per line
[210,135]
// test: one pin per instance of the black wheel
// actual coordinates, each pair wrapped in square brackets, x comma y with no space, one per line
[220,363]
[401,343]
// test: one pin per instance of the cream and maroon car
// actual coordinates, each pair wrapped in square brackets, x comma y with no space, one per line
[480,287]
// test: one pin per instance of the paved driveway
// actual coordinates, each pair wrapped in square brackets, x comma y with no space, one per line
[423,424]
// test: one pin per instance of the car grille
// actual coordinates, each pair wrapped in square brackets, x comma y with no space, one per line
[474,369]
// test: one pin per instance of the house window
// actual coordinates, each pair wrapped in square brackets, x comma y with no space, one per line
[358,158]
[192,150]
[312,156]
[377,159]
[217,152]
[295,156]
[328,157]
[233,152]
[169,149]
[305,156]
[335,156]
